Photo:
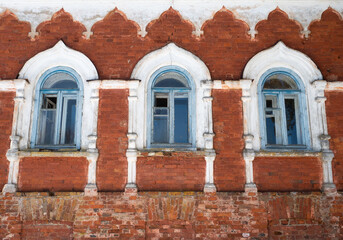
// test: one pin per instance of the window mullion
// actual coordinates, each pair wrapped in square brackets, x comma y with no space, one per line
[283,123]
[298,119]
[58,117]
[171,117]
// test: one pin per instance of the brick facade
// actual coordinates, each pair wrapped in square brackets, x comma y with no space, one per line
[225,46]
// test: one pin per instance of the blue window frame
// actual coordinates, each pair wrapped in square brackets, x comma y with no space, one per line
[282,103]
[57,114]
[170,109]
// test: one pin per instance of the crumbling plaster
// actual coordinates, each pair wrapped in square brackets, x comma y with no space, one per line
[89,12]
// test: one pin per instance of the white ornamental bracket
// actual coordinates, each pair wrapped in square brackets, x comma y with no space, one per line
[210,156]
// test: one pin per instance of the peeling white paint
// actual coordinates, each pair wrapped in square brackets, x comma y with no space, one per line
[143,12]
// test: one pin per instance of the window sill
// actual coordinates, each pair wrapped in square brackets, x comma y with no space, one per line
[287,153]
[50,153]
[158,152]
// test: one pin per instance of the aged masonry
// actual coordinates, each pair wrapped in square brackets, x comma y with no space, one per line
[203,119]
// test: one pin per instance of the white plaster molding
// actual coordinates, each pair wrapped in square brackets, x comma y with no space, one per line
[143,12]
[7,85]
[119,84]
[12,152]
[210,156]
[334,86]
[60,56]
[280,56]
[170,55]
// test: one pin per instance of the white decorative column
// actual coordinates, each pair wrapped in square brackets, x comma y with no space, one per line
[327,155]
[91,188]
[248,152]
[131,153]
[210,154]
[12,153]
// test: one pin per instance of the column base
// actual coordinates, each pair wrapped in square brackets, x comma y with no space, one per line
[250,187]
[210,188]
[131,188]
[9,188]
[91,190]
[329,189]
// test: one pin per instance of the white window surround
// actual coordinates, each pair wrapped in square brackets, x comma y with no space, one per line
[58,56]
[171,56]
[276,57]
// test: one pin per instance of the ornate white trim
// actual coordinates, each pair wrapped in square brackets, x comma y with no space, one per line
[280,56]
[58,56]
[172,55]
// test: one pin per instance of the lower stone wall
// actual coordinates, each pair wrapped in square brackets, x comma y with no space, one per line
[171,215]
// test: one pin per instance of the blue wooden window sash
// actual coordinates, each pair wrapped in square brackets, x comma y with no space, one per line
[191,108]
[302,124]
[61,93]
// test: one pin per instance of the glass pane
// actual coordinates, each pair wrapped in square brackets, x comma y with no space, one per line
[70,122]
[46,127]
[270,126]
[64,84]
[169,83]
[60,80]
[181,120]
[291,121]
[161,102]
[171,79]
[160,129]
[280,81]
[49,102]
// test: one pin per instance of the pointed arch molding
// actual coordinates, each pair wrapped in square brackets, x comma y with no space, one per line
[170,55]
[59,55]
[282,56]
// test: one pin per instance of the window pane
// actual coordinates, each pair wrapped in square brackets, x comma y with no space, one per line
[70,122]
[46,127]
[60,80]
[171,79]
[181,120]
[291,121]
[280,81]
[160,129]
[49,102]
[270,126]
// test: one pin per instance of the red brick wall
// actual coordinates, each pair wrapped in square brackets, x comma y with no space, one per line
[179,171]
[229,166]
[52,174]
[287,173]
[42,230]
[334,119]
[167,215]
[112,140]
[6,116]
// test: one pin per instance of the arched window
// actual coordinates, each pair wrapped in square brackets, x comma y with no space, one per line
[57,115]
[170,109]
[283,109]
